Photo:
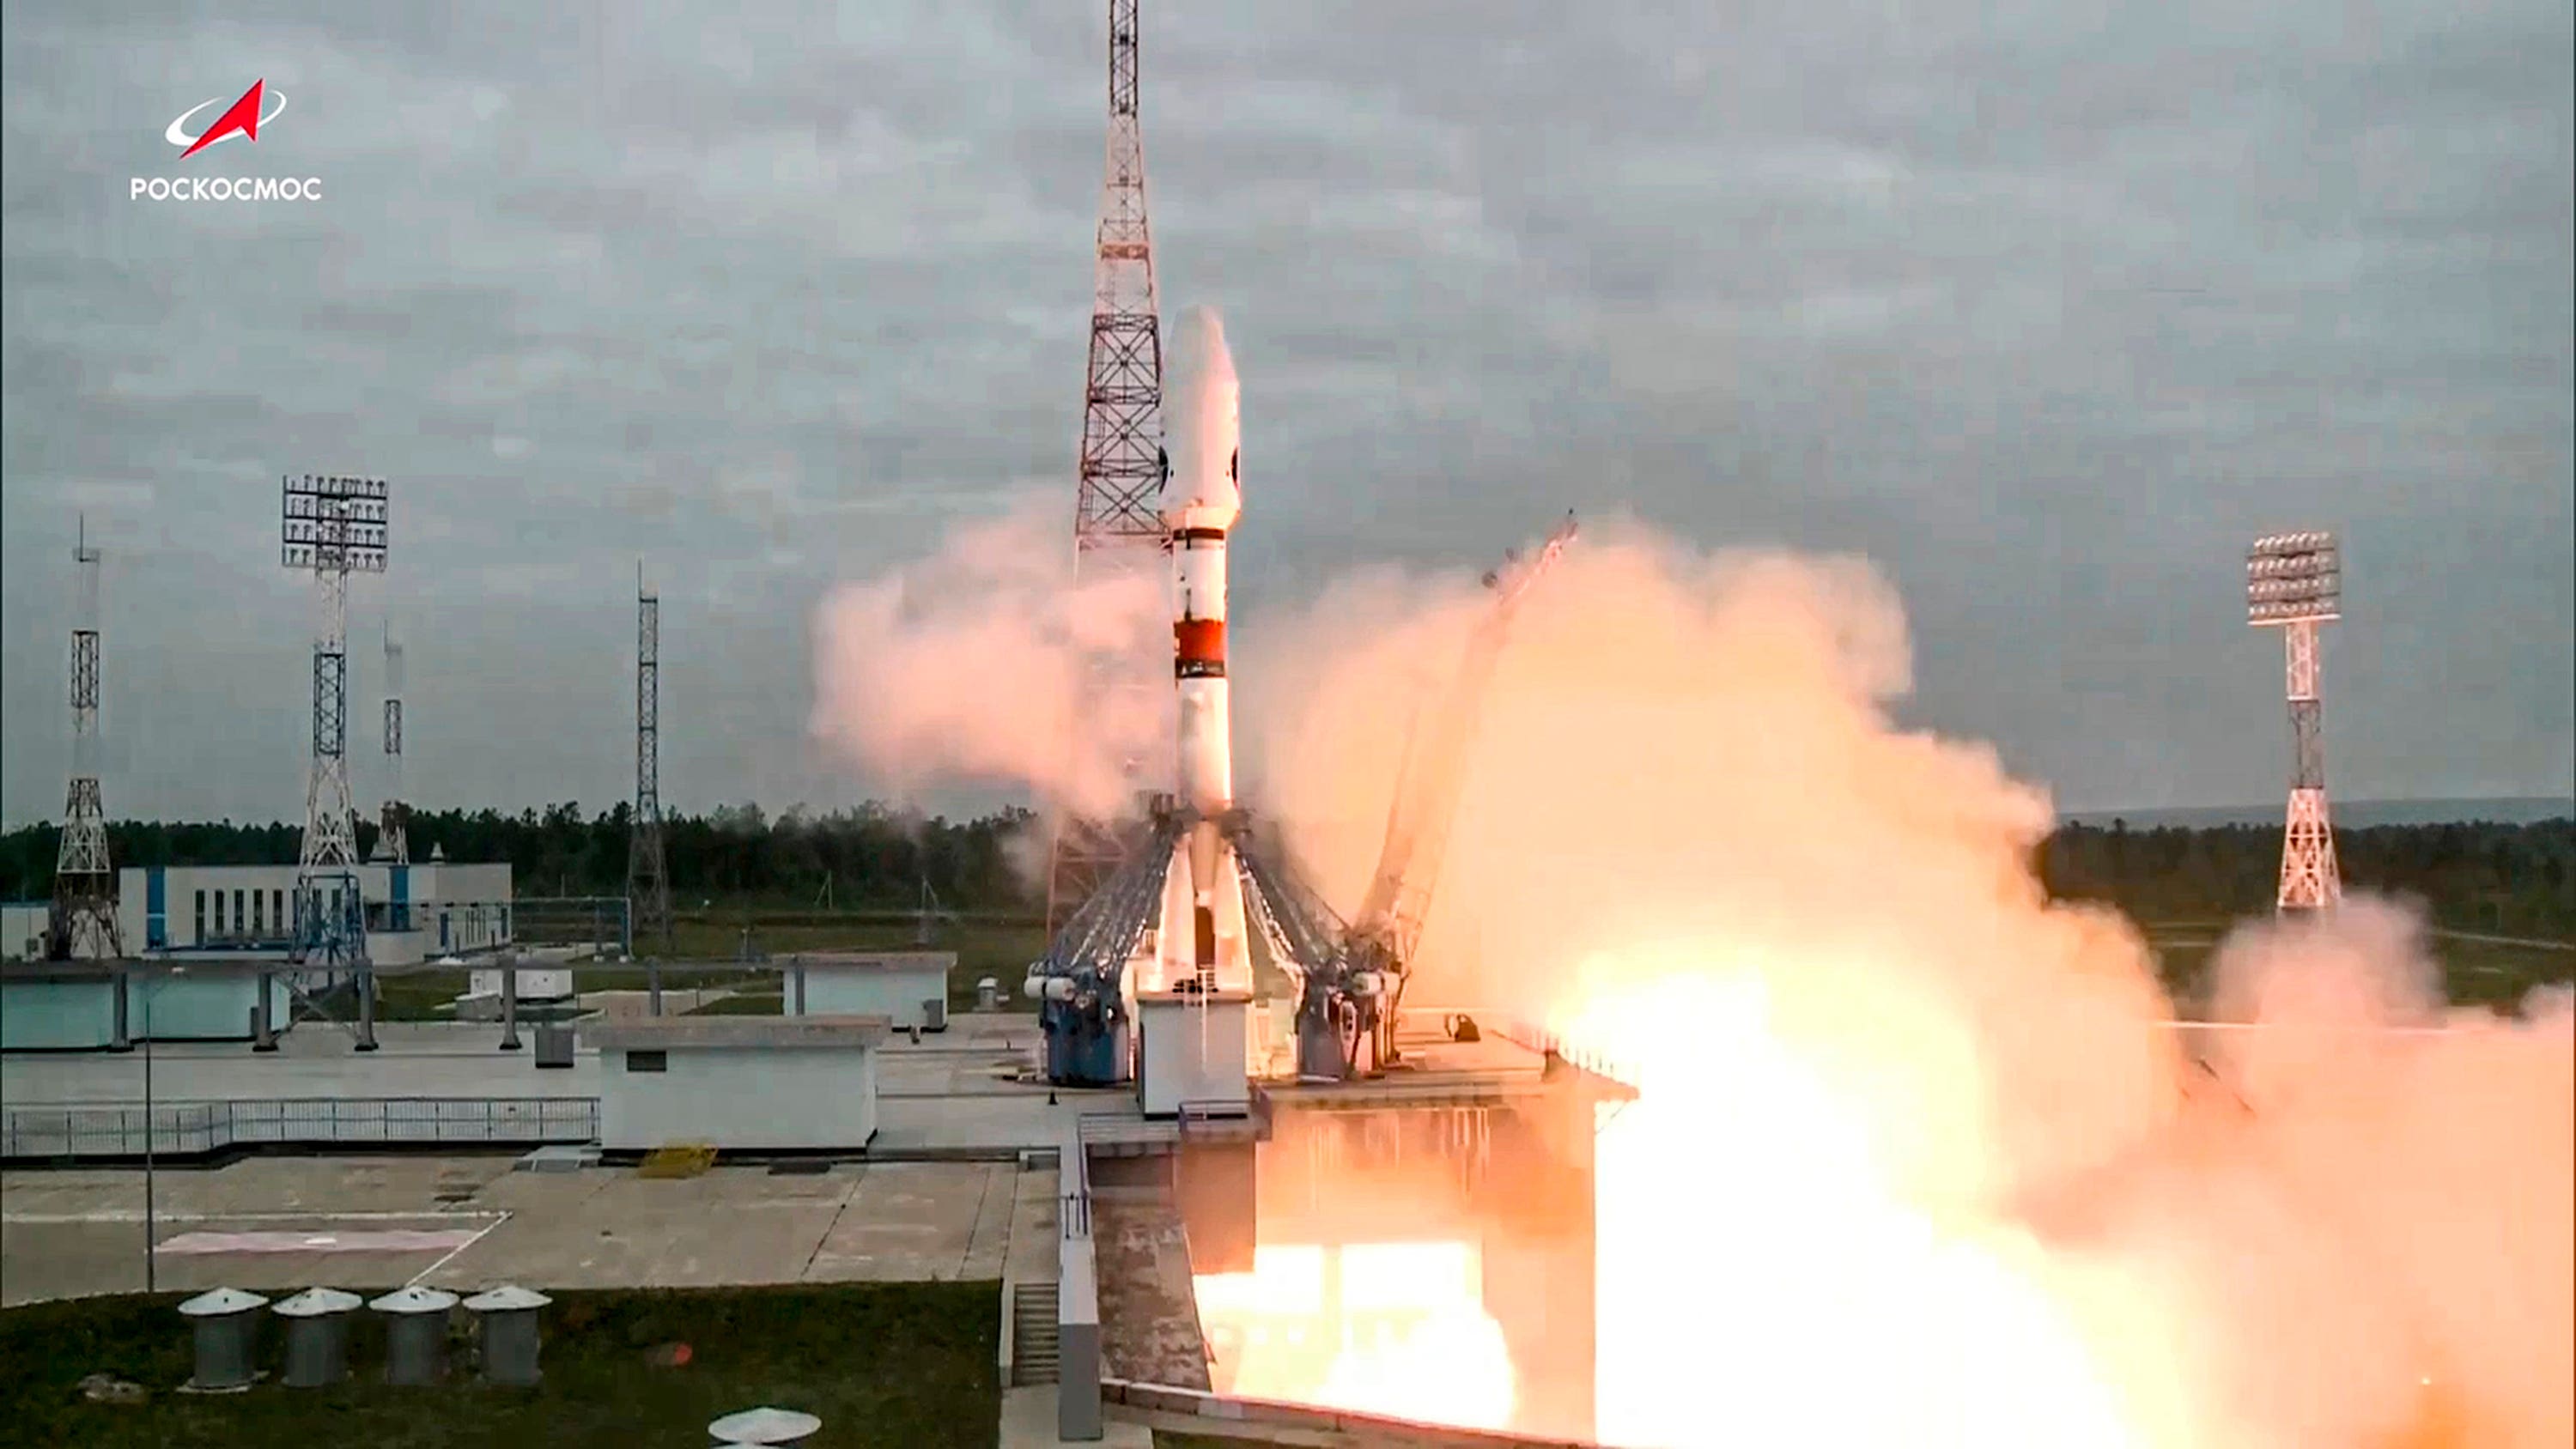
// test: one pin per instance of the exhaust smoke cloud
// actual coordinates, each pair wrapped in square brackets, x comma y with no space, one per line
[1915,1161]
[973,666]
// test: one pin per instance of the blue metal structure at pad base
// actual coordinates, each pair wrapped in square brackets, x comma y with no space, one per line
[1081,980]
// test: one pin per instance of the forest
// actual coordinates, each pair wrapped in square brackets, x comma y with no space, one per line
[2508,879]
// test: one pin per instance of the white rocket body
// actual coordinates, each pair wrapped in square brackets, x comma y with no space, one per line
[1202,935]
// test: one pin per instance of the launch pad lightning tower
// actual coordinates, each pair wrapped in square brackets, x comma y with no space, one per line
[84,909]
[2294,582]
[393,835]
[333,527]
[648,880]
[1118,526]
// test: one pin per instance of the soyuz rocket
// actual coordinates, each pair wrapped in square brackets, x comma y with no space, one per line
[1200,941]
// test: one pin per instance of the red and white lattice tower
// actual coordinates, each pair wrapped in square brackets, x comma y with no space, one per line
[1117,520]
[2294,582]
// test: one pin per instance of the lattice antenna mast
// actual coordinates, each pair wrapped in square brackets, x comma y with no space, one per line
[2294,582]
[83,927]
[648,882]
[393,836]
[1117,519]
[332,527]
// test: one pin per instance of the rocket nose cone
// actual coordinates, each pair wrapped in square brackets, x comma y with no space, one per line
[1209,477]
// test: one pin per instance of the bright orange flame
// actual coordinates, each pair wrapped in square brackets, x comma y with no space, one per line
[1386,1328]
[1765,1275]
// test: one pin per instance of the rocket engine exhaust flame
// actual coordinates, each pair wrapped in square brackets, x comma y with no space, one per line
[1913,1160]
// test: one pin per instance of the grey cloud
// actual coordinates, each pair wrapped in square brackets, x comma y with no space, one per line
[2046,306]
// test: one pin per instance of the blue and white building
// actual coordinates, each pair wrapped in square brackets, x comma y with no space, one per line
[413,912]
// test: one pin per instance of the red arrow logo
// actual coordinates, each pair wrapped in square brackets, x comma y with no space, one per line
[242,116]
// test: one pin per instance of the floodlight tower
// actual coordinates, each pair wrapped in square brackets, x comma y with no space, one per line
[333,527]
[393,835]
[648,881]
[84,913]
[2294,582]
[1117,520]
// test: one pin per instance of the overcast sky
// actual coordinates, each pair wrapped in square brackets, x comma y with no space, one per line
[2047,306]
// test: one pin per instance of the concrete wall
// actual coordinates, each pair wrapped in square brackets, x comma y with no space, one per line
[1077,1301]
[740,1097]
[56,1014]
[81,1014]
[894,991]
[215,1008]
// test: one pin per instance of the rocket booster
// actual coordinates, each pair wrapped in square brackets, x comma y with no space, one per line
[1204,919]
[1200,504]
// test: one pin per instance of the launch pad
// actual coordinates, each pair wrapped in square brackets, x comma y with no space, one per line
[1417,1244]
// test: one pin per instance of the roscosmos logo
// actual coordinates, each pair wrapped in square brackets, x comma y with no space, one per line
[257,107]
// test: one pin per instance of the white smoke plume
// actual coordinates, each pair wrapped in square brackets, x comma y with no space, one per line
[996,661]
[975,665]
[1915,1162]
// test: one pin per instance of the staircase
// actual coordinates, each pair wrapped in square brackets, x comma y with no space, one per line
[1033,1335]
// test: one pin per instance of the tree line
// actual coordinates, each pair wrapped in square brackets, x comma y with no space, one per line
[2517,880]
[863,859]
[2508,879]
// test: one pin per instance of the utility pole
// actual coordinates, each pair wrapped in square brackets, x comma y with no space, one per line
[394,833]
[2294,582]
[1117,520]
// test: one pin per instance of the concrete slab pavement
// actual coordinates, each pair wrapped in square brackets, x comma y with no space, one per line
[1028,1422]
[70,1233]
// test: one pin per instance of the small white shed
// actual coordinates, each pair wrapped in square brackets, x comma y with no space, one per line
[900,986]
[775,1082]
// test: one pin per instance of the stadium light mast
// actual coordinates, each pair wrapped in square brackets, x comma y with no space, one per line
[332,527]
[2294,582]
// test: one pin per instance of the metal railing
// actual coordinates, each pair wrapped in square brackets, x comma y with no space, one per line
[180,1128]
[1547,1041]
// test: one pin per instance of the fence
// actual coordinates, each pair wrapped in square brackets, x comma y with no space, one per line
[181,1128]
[1548,1041]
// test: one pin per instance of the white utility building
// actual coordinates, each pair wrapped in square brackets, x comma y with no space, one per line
[533,983]
[908,988]
[1191,1050]
[782,1083]
[413,912]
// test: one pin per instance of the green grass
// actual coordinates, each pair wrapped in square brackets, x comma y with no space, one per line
[749,1003]
[895,1364]
[1001,951]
